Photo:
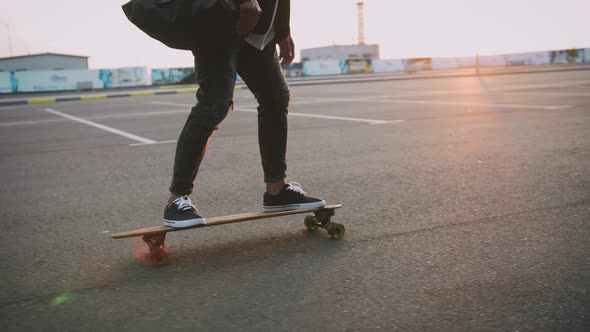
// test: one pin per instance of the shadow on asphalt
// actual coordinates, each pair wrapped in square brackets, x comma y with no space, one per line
[214,256]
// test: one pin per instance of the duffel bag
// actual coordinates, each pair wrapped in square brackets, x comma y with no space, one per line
[178,23]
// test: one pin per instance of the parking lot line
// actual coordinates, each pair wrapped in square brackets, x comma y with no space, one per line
[153,143]
[330,117]
[433,102]
[453,103]
[318,116]
[103,127]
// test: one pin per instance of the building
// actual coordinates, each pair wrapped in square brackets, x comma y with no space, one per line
[341,52]
[45,61]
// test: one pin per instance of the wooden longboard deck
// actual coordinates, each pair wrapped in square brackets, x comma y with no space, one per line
[220,221]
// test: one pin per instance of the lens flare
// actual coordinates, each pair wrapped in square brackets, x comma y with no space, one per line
[62,298]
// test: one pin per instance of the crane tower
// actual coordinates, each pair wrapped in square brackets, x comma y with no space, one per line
[361,22]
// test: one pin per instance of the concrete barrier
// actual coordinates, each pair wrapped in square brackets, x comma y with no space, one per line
[55,80]
[540,58]
[466,62]
[321,67]
[387,66]
[444,63]
[492,61]
[6,83]
[71,80]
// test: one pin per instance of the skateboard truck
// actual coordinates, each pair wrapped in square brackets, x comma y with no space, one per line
[157,254]
[323,219]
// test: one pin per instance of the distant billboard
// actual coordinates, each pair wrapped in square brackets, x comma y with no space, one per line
[293,69]
[567,56]
[173,76]
[125,77]
[350,66]
[416,64]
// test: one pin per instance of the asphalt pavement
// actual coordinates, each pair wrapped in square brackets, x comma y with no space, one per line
[466,204]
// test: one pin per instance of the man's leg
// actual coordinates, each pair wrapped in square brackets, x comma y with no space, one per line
[216,55]
[216,76]
[262,73]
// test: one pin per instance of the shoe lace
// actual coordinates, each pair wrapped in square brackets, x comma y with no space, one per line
[296,187]
[184,203]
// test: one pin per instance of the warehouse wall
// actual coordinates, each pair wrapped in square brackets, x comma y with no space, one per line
[43,62]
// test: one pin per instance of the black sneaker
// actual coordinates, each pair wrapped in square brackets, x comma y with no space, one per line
[291,197]
[182,213]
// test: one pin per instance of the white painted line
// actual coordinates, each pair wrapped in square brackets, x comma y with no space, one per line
[319,116]
[22,123]
[105,117]
[327,100]
[410,101]
[99,126]
[452,103]
[294,102]
[430,102]
[548,85]
[171,104]
[153,143]
[130,115]
[558,94]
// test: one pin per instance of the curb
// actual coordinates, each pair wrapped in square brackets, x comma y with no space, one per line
[49,100]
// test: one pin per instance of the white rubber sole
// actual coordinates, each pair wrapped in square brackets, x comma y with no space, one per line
[184,223]
[290,207]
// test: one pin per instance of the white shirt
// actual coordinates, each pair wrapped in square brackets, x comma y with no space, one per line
[261,40]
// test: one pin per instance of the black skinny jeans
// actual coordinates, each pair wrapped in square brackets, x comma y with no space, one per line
[216,68]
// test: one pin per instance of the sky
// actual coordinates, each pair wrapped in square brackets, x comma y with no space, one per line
[426,28]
